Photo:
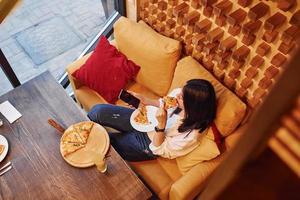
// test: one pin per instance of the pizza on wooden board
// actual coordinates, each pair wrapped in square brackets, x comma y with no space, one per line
[76,137]
[84,129]
[69,148]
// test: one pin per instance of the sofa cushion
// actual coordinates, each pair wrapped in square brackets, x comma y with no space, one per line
[155,176]
[156,54]
[193,182]
[207,150]
[87,97]
[170,167]
[230,111]
[107,71]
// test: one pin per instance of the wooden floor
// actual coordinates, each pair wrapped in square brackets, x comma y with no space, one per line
[260,181]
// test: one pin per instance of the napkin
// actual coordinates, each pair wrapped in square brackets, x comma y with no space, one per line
[9,111]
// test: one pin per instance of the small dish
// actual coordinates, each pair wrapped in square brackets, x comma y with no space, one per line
[3,141]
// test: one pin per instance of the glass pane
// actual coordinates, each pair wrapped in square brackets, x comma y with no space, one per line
[5,85]
[44,35]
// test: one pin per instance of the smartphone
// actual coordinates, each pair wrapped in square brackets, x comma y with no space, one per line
[129,98]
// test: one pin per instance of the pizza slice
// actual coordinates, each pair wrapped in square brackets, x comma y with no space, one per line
[76,137]
[84,135]
[2,147]
[73,136]
[68,148]
[142,117]
[87,126]
[84,130]
[170,102]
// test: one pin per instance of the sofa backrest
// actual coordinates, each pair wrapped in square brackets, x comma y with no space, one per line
[156,54]
[245,44]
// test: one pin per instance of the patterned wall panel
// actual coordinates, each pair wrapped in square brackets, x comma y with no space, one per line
[244,43]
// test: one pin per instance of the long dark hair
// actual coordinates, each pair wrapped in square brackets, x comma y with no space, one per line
[199,101]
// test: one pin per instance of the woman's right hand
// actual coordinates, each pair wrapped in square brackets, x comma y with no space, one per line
[161,116]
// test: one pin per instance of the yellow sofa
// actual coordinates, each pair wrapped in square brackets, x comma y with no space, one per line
[184,177]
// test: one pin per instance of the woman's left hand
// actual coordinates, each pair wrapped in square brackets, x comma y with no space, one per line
[161,116]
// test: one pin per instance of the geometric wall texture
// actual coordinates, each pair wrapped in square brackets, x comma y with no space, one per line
[244,43]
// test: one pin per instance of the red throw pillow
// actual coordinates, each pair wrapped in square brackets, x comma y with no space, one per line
[106,71]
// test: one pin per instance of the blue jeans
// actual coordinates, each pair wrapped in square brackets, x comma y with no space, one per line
[131,144]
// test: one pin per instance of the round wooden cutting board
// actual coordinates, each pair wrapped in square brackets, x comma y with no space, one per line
[98,142]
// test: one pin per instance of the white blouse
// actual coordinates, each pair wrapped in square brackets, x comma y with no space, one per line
[176,144]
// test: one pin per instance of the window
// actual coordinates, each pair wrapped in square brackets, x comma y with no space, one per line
[5,85]
[39,35]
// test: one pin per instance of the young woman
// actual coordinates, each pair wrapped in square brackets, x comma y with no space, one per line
[177,132]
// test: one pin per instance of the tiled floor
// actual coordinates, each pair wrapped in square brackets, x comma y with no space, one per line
[44,35]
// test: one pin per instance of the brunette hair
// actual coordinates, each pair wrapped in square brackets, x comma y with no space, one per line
[199,101]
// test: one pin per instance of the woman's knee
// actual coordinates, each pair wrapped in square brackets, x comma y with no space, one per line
[95,113]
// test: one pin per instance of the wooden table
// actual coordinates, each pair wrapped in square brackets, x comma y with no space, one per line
[39,171]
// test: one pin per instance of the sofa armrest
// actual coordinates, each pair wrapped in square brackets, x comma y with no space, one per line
[191,184]
[73,67]
[232,139]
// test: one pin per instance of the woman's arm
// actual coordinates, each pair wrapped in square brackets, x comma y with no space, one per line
[161,116]
[176,146]
[158,139]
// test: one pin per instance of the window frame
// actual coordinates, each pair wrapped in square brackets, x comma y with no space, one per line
[8,71]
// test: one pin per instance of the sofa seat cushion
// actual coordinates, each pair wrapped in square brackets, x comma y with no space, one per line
[88,97]
[155,176]
[170,167]
[138,88]
[230,112]
[156,54]
[162,169]
[207,150]
[193,182]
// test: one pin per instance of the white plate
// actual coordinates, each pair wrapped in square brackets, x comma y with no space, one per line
[4,142]
[151,111]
